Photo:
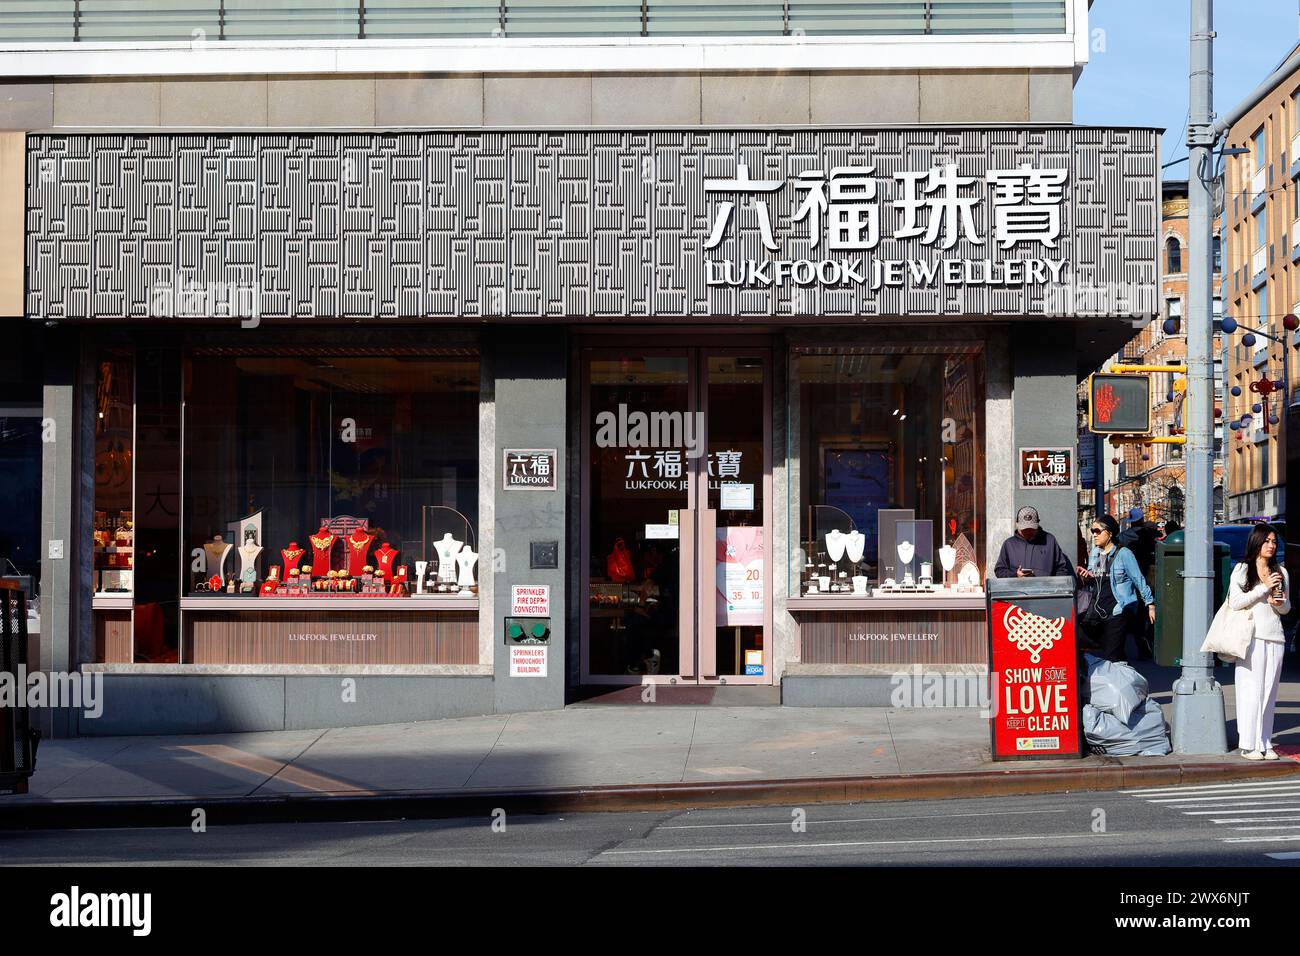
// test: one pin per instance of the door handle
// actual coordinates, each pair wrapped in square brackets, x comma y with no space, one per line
[686,592]
[707,616]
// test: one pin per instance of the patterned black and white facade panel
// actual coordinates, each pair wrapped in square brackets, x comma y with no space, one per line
[803,224]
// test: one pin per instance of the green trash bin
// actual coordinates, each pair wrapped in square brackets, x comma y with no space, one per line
[1168,589]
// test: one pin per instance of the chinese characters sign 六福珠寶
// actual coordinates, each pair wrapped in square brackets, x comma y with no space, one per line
[935,207]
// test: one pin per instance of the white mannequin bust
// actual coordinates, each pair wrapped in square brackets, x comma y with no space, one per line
[466,560]
[855,543]
[835,544]
[447,548]
[248,562]
[947,557]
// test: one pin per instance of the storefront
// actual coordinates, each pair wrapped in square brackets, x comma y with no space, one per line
[396,426]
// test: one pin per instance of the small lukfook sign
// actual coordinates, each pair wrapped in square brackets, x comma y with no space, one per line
[529,469]
[1046,468]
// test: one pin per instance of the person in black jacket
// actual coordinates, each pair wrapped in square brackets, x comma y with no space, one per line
[1141,538]
[1031,551]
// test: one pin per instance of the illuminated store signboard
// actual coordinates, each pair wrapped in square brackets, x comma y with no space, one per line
[935,209]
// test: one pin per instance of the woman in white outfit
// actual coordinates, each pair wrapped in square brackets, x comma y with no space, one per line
[1263,588]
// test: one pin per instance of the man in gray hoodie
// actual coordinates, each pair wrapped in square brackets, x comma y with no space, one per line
[1031,551]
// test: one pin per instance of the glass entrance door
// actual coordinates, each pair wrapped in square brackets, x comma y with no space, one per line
[676,501]
[732,640]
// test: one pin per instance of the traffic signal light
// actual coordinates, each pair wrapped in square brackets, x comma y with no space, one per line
[1119,404]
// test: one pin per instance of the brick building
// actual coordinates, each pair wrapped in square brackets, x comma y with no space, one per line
[1152,477]
[1261,286]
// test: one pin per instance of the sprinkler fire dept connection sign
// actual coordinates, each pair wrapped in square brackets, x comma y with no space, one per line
[1034,697]
[530,600]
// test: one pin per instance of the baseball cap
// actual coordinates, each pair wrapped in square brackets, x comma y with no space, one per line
[1026,518]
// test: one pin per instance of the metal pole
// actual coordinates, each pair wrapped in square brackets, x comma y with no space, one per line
[1199,725]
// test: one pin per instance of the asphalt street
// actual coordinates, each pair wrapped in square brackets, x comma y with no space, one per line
[1250,824]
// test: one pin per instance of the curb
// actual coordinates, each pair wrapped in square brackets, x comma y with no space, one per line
[442,804]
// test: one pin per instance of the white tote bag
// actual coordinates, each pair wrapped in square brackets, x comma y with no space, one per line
[1230,634]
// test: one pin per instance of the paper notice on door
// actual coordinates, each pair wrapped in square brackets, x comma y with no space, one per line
[737,497]
[740,599]
[653,531]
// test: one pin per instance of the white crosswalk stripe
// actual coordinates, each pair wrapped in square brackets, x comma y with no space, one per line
[1208,788]
[1266,812]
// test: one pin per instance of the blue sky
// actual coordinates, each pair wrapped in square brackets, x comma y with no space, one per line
[1140,79]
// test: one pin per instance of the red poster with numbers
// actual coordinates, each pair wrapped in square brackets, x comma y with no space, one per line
[740,577]
[1034,679]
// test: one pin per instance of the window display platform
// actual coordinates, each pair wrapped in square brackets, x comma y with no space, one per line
[941,600]
[321,631]
[894,632]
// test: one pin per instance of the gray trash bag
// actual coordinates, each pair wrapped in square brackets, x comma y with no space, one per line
[1144,734]
[1148,723]
[1115,688]
[1103,730]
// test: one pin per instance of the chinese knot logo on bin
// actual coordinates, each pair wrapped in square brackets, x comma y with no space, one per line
[935,207]
[1030,632]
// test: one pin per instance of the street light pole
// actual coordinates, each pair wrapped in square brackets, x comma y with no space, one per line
[1199,723]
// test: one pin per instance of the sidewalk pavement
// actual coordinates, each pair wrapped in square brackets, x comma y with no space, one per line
[589,757]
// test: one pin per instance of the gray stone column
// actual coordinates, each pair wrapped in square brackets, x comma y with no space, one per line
[999,461]
[1045,416]
[63,483]
[531,370]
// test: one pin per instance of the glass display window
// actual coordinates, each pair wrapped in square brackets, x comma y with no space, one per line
[313,473]
[886,461]
[114,525]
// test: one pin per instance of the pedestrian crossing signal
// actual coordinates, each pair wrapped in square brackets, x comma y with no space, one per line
[1119,404]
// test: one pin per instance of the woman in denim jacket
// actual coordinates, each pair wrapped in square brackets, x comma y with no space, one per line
[1116,612]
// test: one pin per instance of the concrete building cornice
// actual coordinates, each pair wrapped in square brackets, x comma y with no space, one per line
[568,55]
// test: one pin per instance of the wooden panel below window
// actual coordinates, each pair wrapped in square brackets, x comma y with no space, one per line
[926,636]
[328,637]
[113,637]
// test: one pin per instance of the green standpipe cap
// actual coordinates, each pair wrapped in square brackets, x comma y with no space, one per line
[515,632]
[539,630]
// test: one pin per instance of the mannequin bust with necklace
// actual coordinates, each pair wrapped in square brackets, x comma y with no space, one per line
[322,543]
[385,555]
[358,545]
